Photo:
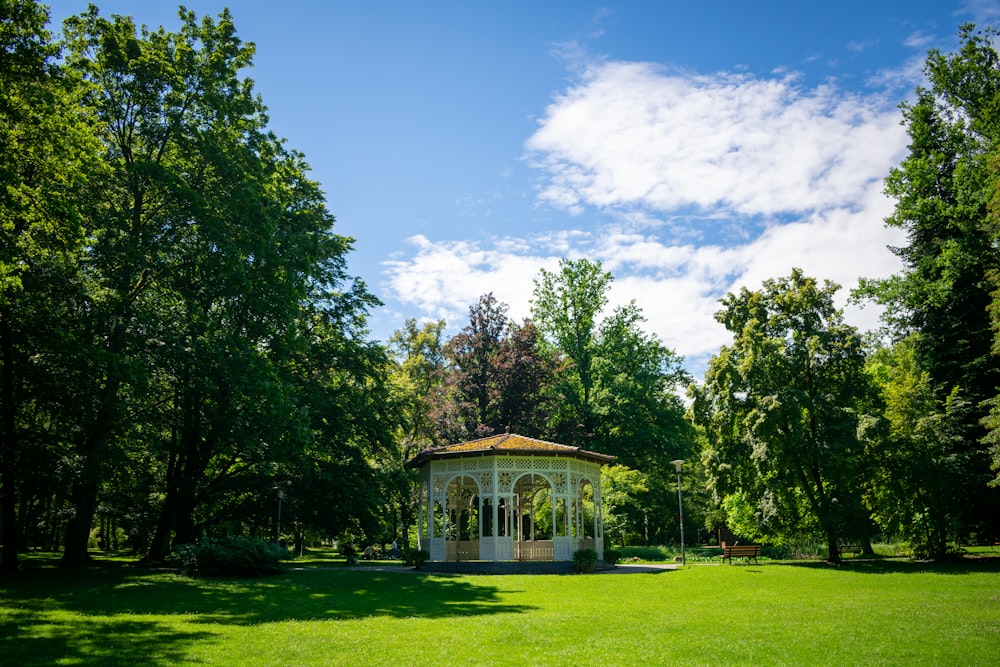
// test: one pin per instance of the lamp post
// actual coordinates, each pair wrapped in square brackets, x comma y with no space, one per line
[281,494]
[680,506]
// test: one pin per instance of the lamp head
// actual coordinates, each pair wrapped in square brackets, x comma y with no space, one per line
[678,463]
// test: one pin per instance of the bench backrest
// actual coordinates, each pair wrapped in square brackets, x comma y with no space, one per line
[742,549]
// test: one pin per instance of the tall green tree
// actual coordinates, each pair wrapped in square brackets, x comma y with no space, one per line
[47,155]
[212,251]
[346,476]
[914,467]
[780,407]
[418,353]
[417,372]
[619,390]
[619,387]
[636,398]
[942,190]
[567,306]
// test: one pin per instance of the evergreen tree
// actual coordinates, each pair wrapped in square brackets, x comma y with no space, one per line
[943,190]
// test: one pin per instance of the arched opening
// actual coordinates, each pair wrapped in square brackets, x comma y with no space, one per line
[503,518]
[462,531]
[438,520]
[423,516]
[534,518]
[584,519]
[486,514]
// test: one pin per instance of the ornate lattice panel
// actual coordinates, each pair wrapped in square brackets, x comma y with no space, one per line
[522,462]
[504,481]
[486,482]
[559,482]
[505,463]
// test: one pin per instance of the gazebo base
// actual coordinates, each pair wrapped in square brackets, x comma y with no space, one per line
[505,567]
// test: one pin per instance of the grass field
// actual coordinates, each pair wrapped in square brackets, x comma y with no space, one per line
[889,612]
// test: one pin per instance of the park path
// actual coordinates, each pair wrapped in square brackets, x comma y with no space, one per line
[621,568]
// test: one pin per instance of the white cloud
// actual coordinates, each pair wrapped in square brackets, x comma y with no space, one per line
[983,11]
[919,40]
[902,78]
[678,287]
[633,135]
[442,279]
[665,157]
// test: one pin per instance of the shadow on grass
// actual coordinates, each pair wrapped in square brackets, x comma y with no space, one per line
[303,595]
[26,640]
[967,565]
[123,615]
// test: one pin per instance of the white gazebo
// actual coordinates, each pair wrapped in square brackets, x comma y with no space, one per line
[509,498]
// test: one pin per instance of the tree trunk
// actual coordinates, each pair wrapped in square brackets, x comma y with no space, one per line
[159,546]
[831,541]
[184,530]
[84,495]
[87,486]
[866,545]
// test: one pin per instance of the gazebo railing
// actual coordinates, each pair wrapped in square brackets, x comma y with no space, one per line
[455,551]
[537,550]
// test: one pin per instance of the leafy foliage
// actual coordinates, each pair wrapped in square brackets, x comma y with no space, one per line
[945,192]
[240,556]
[196,340]
[415,557]
[781,409]
[48,156]
[915,471]
[619,389]
[584,559]
[623,490]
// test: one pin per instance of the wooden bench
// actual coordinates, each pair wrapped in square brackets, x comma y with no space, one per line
[740,551]
[849,549]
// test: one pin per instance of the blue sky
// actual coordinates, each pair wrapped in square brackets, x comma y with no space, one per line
[692,148]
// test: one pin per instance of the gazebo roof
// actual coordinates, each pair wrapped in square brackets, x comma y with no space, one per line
[505,443]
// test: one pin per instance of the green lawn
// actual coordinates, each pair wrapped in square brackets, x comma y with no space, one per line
[880,612]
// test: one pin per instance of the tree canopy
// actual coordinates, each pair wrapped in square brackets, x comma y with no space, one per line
[781,410]
[943,302]
[206,343]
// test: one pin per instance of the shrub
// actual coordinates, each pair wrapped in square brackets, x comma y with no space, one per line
[349,553]
[612,556]
[584,559]
[415,557]
[645,553]
[239,556]
[796,548]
